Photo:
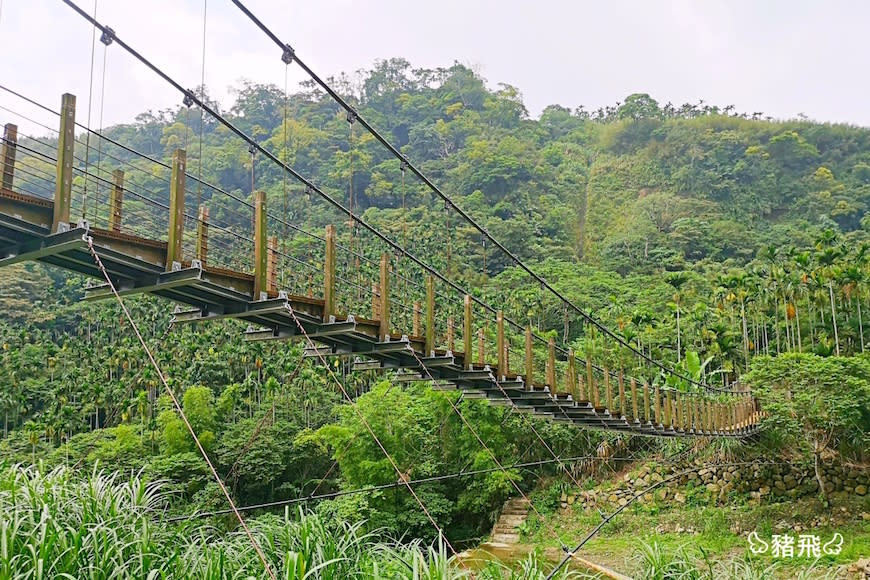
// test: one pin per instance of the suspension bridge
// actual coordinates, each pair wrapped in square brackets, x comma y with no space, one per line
[157,242]
[204,270]
[86,203]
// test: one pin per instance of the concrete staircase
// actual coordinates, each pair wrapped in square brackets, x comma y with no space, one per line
[513,514]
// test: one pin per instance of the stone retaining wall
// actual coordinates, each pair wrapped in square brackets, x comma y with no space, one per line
[760,482]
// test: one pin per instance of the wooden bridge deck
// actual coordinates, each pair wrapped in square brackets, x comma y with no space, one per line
[139,265]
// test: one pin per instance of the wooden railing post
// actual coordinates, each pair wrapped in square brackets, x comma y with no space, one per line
[481,347]
[415,323]
[451,334]
[571,378]
[376,300]
[646,406]
[608,390]
[466,334]
[65,150]
[384,331]
[176,210]
[678,411]
[668,409]
[622,408]
[261,255]
[500,345]
[530,359]
[7,158]
[116,200]
[658,408]
[329,275]
[634,411]
[430,316]
[581,385]
[551,364]
[272,265]
[202,235]
[590,383]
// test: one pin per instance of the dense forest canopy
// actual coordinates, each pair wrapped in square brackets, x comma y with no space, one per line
[702,236]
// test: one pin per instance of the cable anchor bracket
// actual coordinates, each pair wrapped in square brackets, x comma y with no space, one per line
[108,36]
[289,54]
[188,98]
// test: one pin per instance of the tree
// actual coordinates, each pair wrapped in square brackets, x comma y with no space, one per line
[821,405]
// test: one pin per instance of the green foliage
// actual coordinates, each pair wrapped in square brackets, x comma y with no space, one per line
[815,403]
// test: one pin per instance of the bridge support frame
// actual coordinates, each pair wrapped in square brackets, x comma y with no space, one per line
[10,145]
[177,183]
[65,151]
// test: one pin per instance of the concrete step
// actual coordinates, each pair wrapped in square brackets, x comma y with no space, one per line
[505,538]
[515,512]
[519,501]
[511,520]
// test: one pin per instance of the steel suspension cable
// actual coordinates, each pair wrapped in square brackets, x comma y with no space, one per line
[368,427]
[371,488]
[90,107]
[285,47]
[483,444]
[178,406]
[311,186]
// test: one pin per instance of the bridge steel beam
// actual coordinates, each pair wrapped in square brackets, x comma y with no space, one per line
[65,151]
[176,209]
[7,158]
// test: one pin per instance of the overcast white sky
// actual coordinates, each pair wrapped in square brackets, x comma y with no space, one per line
[782,57]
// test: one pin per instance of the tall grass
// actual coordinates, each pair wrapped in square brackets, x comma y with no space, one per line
[59,525]
[656,563]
